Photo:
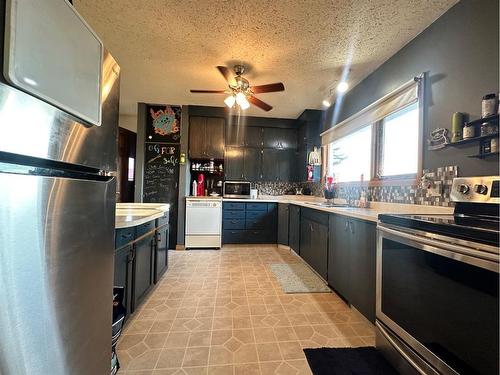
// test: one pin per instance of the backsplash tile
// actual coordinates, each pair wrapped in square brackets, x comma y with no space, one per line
[414,194]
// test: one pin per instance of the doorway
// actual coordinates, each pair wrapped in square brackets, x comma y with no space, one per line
[126,165]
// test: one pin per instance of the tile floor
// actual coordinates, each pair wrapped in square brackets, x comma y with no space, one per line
[223,312]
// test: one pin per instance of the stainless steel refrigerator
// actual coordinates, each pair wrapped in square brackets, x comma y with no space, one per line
[57,216]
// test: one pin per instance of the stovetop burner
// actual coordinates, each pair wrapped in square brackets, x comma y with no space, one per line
[476,216]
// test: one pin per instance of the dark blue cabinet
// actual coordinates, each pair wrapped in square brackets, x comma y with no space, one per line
[143,268]
[294,228]
[314,240]
[249,222]
[352,262]
[283,222]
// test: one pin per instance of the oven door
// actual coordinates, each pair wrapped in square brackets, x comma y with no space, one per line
[439,295]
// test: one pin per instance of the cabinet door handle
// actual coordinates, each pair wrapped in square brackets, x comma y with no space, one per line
[352,227]
[128,235]
[311,228]
[346,226]
[158,237]
[131,255]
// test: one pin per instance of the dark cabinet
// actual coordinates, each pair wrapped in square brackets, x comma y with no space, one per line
[280,138]
[234,163]
[338,255]
[352,262]
[270,165]
[314,240]
[363,267]
[252,161]
[283,210]
[206,137]
[143,268]
[161,257]
[278,165]
[254,137]
[123,274]
[249,222]
[294,228]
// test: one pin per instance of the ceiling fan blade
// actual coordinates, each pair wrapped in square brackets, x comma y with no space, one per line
[259,103]
[272,87]
[226,72]
[208,91]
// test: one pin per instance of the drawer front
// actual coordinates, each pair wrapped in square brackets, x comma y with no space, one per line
[233,236]
[252,215]
[233,214]
[123,236]
[233,206]
[233,224]
[315,215]
[145,228]
[255,224]
[256,206]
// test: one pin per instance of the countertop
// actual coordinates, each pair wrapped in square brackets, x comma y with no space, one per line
[132,214]
[370,214]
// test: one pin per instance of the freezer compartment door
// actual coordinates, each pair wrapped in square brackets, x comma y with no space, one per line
[56,274]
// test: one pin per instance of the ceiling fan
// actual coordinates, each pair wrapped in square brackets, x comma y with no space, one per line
[240,92]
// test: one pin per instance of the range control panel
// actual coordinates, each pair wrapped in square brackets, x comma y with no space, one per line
[484,189]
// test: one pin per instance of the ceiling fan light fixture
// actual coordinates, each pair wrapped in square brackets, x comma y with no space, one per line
[240,98]
[244,104]
[326,103]
[230,100]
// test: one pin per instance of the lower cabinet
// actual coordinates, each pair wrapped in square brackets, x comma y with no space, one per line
[123,274]
[249,222]
[161,258]
[143,266]
[283,222]
[294,228]
[314,240]
[352,262]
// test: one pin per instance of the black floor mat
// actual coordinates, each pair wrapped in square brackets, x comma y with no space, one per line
[348,361]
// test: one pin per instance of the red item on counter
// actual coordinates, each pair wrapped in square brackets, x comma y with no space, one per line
[200,189]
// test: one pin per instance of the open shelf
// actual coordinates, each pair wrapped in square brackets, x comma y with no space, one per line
[483,156]
[479,121]
[475,139]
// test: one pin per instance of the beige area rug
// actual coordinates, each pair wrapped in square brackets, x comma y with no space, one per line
[298,278]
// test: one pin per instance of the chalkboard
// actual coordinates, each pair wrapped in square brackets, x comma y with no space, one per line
[161,179]
[163,123]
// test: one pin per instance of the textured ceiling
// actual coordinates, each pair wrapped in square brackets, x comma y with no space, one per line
[167,47]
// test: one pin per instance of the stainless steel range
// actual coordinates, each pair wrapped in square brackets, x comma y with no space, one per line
[438,285]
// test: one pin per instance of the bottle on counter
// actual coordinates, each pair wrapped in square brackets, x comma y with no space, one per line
[195,188]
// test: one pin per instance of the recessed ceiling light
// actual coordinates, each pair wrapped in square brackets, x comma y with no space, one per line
[326,103]
[342,86]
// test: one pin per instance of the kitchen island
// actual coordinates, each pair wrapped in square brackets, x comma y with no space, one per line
[141,249]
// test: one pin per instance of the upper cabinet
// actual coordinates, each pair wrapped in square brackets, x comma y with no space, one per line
[206,137]
[52,53]
[280,138]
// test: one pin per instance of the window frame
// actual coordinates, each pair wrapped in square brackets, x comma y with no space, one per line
[376,152]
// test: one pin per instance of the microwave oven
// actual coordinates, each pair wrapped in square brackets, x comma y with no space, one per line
[236,189]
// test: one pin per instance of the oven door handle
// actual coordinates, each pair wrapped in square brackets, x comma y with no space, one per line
[464,253]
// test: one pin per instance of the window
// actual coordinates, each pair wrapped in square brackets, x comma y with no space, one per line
[350,156]
[386,149]
[398,146]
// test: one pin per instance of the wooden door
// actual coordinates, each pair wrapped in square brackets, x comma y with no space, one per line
[254,137]
[214,138]
[270,165]
[197,136]
[294,228]
[234,163]
[363,267]
[126,165]
[283,222]
[339,248]
[252,164]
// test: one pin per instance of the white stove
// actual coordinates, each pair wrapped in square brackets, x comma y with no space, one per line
[203,222]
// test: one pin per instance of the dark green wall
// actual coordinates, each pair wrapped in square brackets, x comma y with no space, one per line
[459,51]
